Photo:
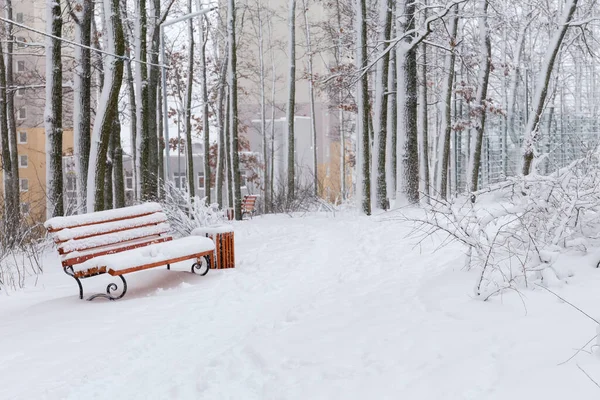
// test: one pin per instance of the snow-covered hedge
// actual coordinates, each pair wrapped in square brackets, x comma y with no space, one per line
[515,231]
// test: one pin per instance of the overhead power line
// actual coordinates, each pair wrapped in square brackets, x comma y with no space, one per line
[28,28]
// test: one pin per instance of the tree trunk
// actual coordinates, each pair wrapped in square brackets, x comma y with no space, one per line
[424,129]
[152,93]
[273,82]
[263,111]
[381,109]
[107,107]
[480,100]
[446,125]
[53,112]
[118,177]
[11,201]
[291,104]
[188,107]
[141,87]
[228,152]
[82,91]
[532,128]
[222,117]
[205,125]
[311,94]
[235,148]
[10,113]
[364,140]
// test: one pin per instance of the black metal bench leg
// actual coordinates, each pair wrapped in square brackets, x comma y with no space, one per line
[109,289]
[201,268]
[168,266]
[69,271]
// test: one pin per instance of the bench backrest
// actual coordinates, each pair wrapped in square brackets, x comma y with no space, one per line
[248,202]
[82,237]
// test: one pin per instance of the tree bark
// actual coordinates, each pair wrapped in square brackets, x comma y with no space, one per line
[480,100]
[311,95]
[152,93]
[235,155]
[53,112]
[263,111]
[291,104]
[10,115]
[141,87]
[444,140]
[205,125]
[82,91]
[221,115]
[188,108]
[382,92]
[11,201]
[108,106]
[362,96]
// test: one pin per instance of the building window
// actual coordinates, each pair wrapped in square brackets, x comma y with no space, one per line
[20,18]
[180,181]
[25,208]
[21,66]
[242,178]
[128,180]
[23,137]
[23,161]
[22,113]
[21,41]
[71,183]
[24,184]
[200,180]
[20,92]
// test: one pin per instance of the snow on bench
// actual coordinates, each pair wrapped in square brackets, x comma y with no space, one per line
[121,241]
[248,205]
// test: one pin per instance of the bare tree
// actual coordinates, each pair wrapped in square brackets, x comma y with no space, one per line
[481,98]
[539,98]
[10,211]
[82,13]
[107,107]
[446,123]
[10,115]
[291,103]
[53,111]
[188,107]
[362,90]
[235,156]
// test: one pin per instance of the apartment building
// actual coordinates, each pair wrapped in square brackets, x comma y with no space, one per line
[29,99]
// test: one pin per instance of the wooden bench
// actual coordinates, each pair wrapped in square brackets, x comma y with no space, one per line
[121,241]
[248,205]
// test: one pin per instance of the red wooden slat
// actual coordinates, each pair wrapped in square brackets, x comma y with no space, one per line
[78,260]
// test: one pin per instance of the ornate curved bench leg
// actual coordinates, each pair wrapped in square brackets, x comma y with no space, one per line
[201,267]
[69,271]
[109,289]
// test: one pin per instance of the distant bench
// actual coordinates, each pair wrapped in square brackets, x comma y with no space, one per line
[248,205]
[121,241]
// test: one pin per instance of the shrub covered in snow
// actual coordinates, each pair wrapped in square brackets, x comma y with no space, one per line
[21,256]
[185,213]
[515,231]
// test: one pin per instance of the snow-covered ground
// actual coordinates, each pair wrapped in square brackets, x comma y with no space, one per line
[318,307]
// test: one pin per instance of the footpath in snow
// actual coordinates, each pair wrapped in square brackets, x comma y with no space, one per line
[318,307]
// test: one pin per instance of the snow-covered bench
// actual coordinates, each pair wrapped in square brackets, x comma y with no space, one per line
[248,205]
[121,241]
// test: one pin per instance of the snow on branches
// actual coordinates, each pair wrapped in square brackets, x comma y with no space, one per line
[515,231]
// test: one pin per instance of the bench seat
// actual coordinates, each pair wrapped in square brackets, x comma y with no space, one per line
[150,256]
